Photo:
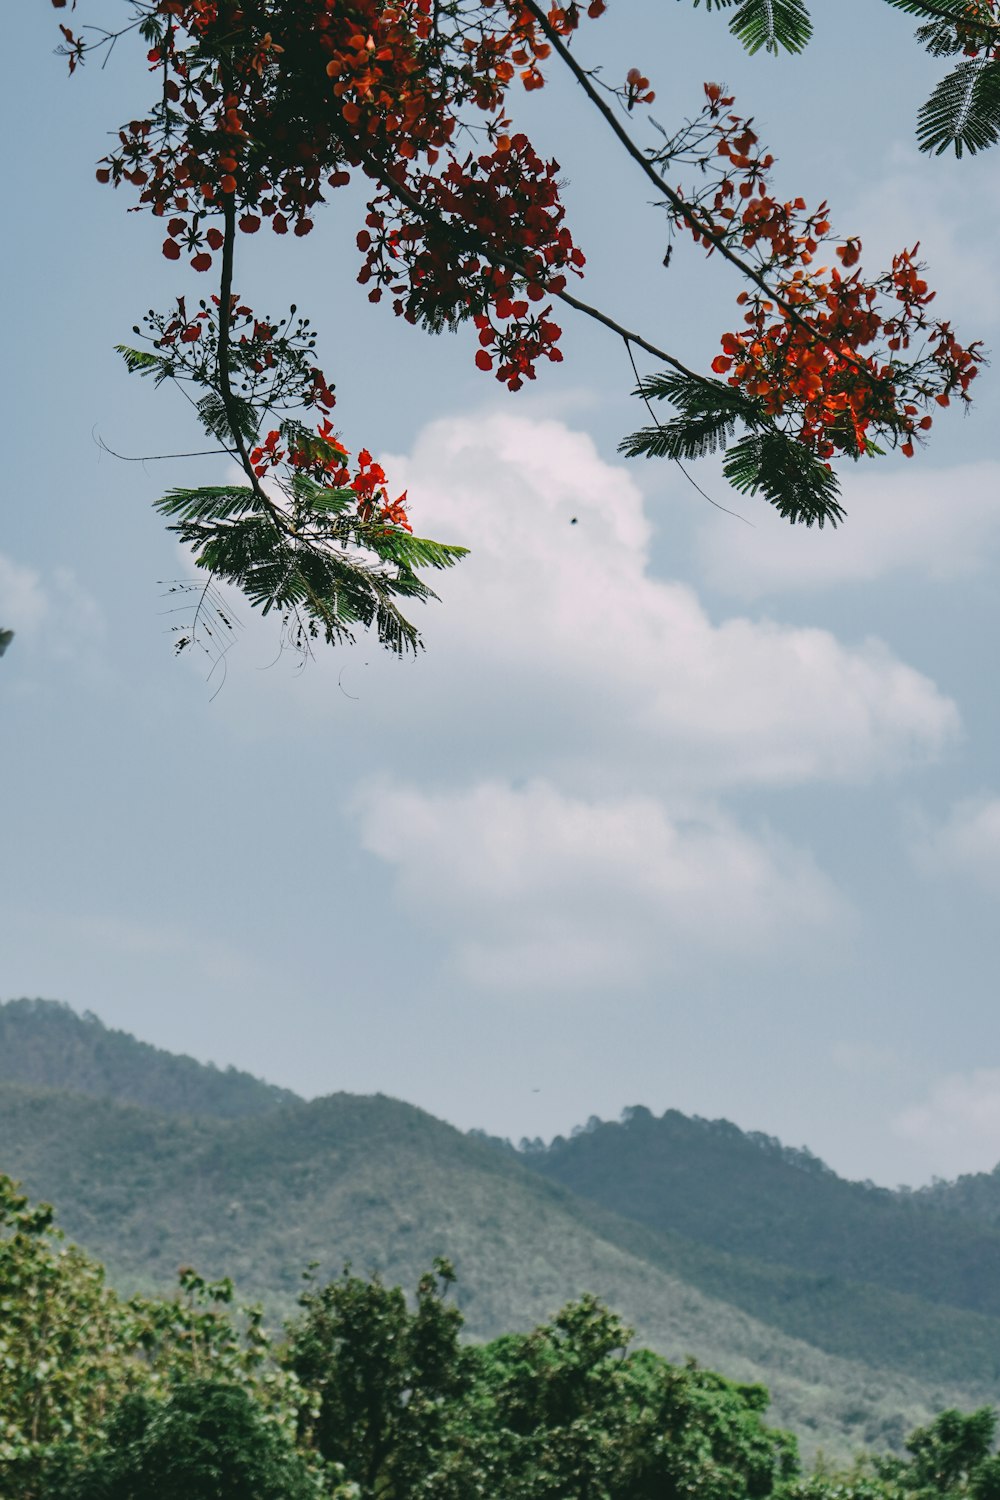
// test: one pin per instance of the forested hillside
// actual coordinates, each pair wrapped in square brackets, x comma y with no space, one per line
[44,1042]
[387,1187]
[976,1195]
[369,1394]
[751,1196]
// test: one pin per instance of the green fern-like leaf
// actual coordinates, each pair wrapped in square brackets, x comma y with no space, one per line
[948,11]
[964,109]
[791,478]
[323,568]
[211,503]
[419,551]
[321,498]
[142,362]
[764,461]
[772,25]
[698,395]
[215,417]
[768,25]
[709,411]
[940,39]
[681,437]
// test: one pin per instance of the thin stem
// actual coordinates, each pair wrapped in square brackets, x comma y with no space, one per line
[677,203]
[225,385]
[689,477]
[496,258]
[150,458]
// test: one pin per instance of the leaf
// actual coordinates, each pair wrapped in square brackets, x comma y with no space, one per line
[419,551]
[934,10]
[709,411]
[212,502]
[215,417]
[771,25]
[141,362]
[321,567]
[791,478]
[699,394]
[768,24]
[682,437]
[964,109]
[321,498]
[940,39]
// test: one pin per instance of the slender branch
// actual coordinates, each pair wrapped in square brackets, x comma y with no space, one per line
[225,384]
[677,203]
[225,327]
[385,178]
[150,458]
[689,477]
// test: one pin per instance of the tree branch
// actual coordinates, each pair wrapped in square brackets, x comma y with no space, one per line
[677,203]
[385,179]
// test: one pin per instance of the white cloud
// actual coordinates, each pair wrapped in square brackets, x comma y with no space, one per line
[942,525]
[966,843]
[23,603]
[532,887]
[54,611]
[564,623]
[925,200]
[584,716]
[958,1124]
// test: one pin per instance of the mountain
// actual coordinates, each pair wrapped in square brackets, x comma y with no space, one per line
[384,1185]
[973,1196]
[45,1042]
[750,1196]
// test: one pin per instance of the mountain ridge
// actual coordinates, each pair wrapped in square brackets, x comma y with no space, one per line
[259,1193]
[46,1042]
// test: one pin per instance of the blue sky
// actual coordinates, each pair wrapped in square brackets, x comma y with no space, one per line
[674,809]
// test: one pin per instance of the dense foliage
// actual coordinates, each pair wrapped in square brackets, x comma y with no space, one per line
[372,1396]
[388,1187]
[203,1440]
[43,1042]
[712,1183]
[73,1354]
[264,109]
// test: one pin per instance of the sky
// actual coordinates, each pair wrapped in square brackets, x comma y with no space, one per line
[678,808]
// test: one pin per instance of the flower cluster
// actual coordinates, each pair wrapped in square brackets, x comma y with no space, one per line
[265,108]
[322,457]
[270,363]
[487,240]
[820,346]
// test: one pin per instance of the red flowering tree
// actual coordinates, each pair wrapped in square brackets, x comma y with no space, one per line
[262,109]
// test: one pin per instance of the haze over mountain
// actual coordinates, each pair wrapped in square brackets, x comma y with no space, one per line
[756,1260]
[752,1196]
[47,1043]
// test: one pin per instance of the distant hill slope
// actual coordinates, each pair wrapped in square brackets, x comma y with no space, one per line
[853,1320]
[711,1241]
[973,1196]
[753,1198]
[44,1042]
[388,1187]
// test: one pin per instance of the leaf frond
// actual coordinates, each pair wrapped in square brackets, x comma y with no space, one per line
[964,109]
[142,362]
[215,417]
[767,25]
[791,478]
